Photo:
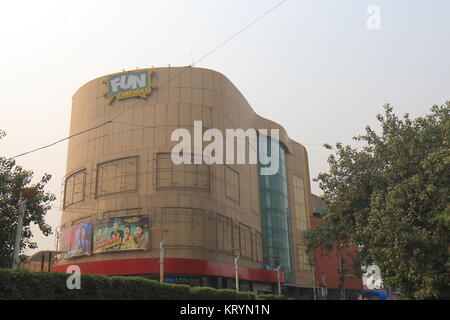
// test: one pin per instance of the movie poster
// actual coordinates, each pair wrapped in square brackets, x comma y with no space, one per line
[121,234]
[79,239]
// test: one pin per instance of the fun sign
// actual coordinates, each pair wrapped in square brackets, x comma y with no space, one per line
[129,84]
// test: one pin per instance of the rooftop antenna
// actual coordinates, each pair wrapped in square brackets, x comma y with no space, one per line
[192,58]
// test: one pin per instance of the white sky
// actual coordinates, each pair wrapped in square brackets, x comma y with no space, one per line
[312,66]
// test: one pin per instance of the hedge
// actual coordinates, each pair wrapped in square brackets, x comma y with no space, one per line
[21,284]
[270,297]
[206,293]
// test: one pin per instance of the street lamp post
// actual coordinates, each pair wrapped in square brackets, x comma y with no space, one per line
[161,251]
[342,275]
[15,262]
[278,280]
[323,286]
[313,272]
[27,193]
[237,256]
[278,273]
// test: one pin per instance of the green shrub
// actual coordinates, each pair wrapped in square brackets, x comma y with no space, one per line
[206,293]
[20,284]
[244,295]
[270,297]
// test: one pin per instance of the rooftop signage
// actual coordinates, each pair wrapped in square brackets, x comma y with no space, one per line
[129,84]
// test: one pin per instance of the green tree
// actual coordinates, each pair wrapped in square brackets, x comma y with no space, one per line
[14,177]
[391,197]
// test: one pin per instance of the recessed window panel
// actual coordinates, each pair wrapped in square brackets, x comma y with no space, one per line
[74,188]
[169,175]
[117,176]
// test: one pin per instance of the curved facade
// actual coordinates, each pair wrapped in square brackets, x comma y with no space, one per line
[121,175]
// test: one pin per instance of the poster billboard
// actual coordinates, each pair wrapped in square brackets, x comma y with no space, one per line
[121,234]
[78,239]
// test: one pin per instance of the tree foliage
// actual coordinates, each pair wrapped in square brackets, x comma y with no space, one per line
[12,178]
[391,197]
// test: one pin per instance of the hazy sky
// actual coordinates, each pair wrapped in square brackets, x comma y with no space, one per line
[312,66]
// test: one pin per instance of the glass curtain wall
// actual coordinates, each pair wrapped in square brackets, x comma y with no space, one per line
[275,213]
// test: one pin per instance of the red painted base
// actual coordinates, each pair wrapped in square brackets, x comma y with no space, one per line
[172,266]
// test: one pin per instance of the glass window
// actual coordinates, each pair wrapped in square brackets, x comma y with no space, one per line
[299,204]
[186,227]
[117,176]
[245,237]
[195,176]
[275,218]
[74,188]
[232,188]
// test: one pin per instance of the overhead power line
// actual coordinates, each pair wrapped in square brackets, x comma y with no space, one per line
[240,31]
[164,84]
[61,140]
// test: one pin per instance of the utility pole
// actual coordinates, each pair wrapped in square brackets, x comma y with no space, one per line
[23,193]
[279,280]
[313,271]
[237,256]
[274,260]
[15,262]
[162,243]
[342,273]
[324,286]
[161,260]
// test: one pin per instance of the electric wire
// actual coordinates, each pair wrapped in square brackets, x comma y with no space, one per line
[168,81]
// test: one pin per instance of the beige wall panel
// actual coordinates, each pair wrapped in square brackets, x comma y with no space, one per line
[197,78]
[208,97]
[218,82]
[162,78]
[185,115]
[160,124]
[186,78]
[197,96]
[208,79]
[162,95]
[174,95]
[173,115]
[186,95]
[175,77]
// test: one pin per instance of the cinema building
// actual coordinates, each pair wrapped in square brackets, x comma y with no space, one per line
[123,193]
